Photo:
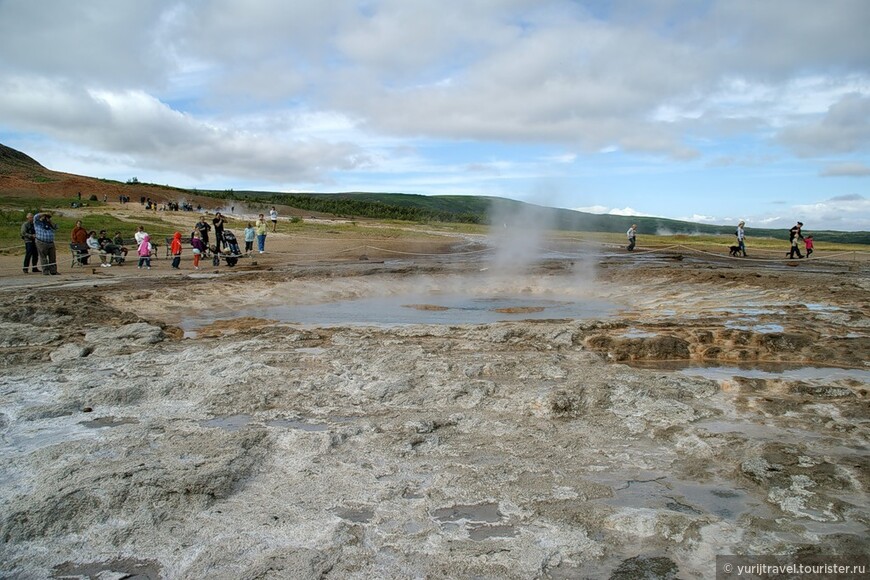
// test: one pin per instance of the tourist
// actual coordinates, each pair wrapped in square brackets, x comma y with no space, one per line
[44,233]
[28,234]
[79,234]
[118,240]
[741,238]
[808,243]
[140,233]
[111,250]
[203,228]
[261,234]
[198,249]
[631,234]
[273,215]
[79,239]
[250,234]
[175,250]
[93,245]
[219,223]
[144,252]
[794,235]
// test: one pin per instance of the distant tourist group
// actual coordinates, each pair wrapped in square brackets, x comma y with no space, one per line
[739,249]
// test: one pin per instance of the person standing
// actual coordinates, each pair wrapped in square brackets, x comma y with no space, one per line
[144,252]
[219,223]
[198,249]
[140,233]
[273,215]
[250,235]
[741,238]
[261,233]
[631,234]
[795,235]
[44,232]
[175,250]
[203,228]
[28,234]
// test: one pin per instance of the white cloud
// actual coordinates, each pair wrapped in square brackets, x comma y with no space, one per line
[840,212]
[845,128]
[600,209]
[597,209]
[698,218]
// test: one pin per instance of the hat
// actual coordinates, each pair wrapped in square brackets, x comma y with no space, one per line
[800,223]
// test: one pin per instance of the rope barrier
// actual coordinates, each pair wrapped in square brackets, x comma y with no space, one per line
[693,250]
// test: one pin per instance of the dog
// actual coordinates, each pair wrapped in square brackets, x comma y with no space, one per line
[733,250]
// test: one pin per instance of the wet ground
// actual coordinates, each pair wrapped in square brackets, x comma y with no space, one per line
[435,417]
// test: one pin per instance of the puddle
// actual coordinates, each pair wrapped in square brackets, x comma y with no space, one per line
[759,328]
[108,422]
[660,492]
[29,436]
[822,308]
[356,515]
[402,310]
[756,370]
[483,512]
[637,333]
[231,423]
[777,372]
[123,568]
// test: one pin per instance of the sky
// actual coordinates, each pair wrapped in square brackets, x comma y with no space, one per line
[710,111]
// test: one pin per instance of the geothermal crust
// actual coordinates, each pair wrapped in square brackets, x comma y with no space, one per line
[257,448]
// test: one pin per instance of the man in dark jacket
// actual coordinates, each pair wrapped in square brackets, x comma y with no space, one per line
[794,235]
[28,234]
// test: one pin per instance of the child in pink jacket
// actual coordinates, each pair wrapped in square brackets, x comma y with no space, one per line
[145,252]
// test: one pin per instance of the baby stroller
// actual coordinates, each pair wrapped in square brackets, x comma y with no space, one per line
[232,248]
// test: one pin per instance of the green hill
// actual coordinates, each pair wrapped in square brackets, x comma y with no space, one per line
[483,209]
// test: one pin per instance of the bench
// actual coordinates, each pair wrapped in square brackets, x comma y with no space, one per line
[81,254]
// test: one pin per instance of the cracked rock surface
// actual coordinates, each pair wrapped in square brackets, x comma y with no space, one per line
[167,428]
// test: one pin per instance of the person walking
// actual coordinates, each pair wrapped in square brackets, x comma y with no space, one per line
[808,244]
[631,234]
[794,235]
[261,234]
[741,238]
[28,234]
[44,233]
[273,215]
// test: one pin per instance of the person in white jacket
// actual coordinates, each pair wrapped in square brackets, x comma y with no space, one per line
[631,234]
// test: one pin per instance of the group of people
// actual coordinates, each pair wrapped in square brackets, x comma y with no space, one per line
[740,249]
[110,249]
